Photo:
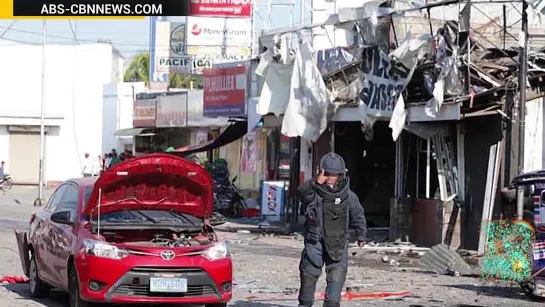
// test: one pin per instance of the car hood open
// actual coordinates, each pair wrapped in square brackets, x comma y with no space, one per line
[153,182]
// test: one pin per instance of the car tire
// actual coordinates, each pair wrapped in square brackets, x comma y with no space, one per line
[38,289]
[73,290]
[216,305]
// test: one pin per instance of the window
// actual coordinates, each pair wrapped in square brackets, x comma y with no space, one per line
[87,194]
[55,198]
[69,200]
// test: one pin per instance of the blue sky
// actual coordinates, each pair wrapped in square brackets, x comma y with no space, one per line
[129,36]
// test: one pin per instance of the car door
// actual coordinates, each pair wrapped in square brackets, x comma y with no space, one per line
[41,235]
[64,235]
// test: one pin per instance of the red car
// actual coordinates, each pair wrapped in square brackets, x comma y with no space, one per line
[137,234]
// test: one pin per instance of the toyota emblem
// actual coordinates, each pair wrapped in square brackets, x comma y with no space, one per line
[168,255]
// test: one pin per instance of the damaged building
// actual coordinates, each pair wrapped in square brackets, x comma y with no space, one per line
[420,100]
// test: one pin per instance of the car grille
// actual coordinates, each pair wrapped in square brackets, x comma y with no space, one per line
[199,283]
[150,270]
[143,290]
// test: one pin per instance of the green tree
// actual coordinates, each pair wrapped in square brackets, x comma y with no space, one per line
[138,70]
[139,67]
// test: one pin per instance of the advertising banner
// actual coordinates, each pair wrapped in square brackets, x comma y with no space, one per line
[224,91]
[171,110]
[226,32]
[227,8]
[218,52]
[382,84]
[144,113]
[180,58]
[249,153]
[272,200]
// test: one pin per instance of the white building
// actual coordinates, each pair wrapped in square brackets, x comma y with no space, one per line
[75,76]
[118,114]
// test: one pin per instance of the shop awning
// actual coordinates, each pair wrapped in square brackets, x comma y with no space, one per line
[232,133]
[132,131]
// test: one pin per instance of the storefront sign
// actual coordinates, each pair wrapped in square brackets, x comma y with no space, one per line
[208,31]
[249,153]
[225,8]
[144,113]
[185,64]
[382,83]
[272,199]
[218,52]
[172,110]
[224,91]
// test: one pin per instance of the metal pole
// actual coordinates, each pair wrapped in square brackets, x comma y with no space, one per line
[252,38]
[523,52]
[38,201]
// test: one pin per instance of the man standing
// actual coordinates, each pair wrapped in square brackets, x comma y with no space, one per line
[115,158]
[2,170]
[331,208]
[88,166]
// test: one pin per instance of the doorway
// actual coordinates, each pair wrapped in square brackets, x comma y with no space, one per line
[370,160]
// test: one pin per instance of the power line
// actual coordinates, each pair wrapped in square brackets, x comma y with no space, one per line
[8,28]
[71,39]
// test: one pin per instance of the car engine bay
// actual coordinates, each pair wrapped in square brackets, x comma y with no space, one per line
[158,238]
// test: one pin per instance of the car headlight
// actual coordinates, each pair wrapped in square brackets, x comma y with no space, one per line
[104,250]
[217,251]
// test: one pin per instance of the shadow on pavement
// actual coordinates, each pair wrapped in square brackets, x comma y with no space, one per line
[57,298]
[494,291]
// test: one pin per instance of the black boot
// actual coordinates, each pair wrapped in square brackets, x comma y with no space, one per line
[332,304]
[307,290]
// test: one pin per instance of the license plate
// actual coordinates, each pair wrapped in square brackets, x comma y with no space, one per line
[172,285]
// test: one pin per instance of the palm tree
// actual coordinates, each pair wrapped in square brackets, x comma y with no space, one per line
[139,69]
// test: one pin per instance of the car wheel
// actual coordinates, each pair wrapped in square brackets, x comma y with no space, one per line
[216,305]
[38,289]
[73,290]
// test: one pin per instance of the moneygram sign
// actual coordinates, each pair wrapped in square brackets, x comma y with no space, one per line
[224,32]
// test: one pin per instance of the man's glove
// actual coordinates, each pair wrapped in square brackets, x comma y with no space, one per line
[361,243]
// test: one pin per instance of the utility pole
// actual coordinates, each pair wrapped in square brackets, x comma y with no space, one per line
[39,200]
[523,55]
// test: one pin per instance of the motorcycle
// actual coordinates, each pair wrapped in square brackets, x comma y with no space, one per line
[6,183]
[227,199]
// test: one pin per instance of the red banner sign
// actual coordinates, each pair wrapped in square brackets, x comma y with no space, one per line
[144,113]
[224,91]
[225,8]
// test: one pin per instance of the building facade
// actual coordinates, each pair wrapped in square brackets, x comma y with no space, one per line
[74,80]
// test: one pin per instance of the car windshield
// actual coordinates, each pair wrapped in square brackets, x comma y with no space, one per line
[87,193]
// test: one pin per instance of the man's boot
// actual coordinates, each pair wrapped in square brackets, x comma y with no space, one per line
[332,304]
[307,290]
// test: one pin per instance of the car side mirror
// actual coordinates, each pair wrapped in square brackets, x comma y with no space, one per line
[62,217]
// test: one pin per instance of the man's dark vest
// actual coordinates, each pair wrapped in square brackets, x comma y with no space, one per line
[335,209]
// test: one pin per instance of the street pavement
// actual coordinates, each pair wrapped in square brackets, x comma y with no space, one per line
[268,265]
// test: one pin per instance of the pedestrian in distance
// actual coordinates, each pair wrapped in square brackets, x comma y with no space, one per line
[88,166]
[331,209]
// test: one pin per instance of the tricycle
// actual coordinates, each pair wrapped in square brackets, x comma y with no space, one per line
[533,185]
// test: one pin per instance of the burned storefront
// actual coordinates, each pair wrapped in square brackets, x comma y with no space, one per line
[418,119]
